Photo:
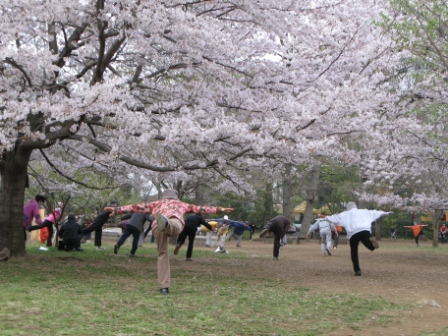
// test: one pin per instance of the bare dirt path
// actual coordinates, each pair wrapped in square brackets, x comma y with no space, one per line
[408,274]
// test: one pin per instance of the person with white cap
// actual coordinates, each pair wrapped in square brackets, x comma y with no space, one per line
[169,221]
[357,223]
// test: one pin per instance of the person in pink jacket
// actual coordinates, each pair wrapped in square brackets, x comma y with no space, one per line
[168,222]
[31,211]
[51,219]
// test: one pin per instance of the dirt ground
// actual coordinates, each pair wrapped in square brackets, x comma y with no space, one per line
[413,275]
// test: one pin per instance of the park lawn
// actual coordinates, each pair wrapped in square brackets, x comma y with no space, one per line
[97,293]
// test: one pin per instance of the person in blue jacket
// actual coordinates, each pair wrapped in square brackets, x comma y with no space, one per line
[238,230]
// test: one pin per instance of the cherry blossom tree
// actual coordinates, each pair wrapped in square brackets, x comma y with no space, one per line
[179,88]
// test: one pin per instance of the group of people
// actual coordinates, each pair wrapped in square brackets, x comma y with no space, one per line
[166,218]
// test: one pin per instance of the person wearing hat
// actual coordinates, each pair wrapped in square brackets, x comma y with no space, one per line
[279,225]
[357,224]
[98,222]
[168,222]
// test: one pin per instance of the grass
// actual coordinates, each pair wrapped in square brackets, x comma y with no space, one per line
[96,293]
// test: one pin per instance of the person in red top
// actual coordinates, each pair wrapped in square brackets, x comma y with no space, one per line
[443,232]
[169,222]
[417,230]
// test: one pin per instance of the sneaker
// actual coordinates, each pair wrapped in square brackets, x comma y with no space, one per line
[206,245]
[100,248]
[162,222]
[358,273]
[328,251]
[116,247]
[164,291]
[374,243]
[263,233]
[188,259]
[238,245]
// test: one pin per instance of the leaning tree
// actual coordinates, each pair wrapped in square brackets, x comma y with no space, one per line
[177,86]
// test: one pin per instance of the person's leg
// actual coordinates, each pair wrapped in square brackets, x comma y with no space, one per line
[208,238]
[173,229]
[354,242]
[328,242]
[336,241]
[322,242]
[136,237]
[238,242]
[231,236]
[50,234]
[277,238]
[416,239]
[180,240]
[98,235]
[365,238]
[122,239]
[191,236]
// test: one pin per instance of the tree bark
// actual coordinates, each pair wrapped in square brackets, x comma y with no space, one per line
[311,194]
[435,237]
[13,172]
[287,192]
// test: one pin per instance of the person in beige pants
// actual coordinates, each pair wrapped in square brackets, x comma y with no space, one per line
[169,222]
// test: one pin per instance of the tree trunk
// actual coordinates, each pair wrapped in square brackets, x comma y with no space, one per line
[287,192]
[311,194]
[378,224]
[435,238]
[13,171]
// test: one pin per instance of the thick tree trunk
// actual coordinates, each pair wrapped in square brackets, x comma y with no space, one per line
[13,170]
[311,194]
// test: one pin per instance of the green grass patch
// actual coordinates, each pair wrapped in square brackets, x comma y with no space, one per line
[96,293]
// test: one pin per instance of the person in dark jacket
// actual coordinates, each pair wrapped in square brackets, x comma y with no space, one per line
[192,223]
[238,230]
[98,222]
[71,234]
[279,226]
[134,227]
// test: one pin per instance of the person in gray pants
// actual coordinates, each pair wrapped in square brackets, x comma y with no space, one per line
[325,229]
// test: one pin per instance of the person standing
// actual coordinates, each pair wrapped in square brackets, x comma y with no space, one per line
[48,223]
[31,211]
[71,234]
[169,222]
[278,225]
[192,223]
[134,227]
[325,229]
[417,230]
[357,224]
[98,222]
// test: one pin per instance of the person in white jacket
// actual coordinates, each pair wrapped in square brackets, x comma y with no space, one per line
[357,223]
[325,228]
